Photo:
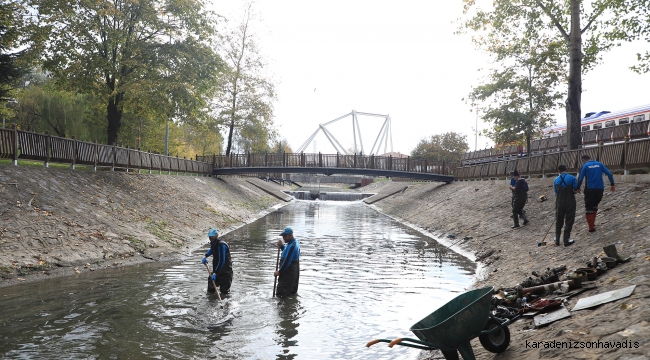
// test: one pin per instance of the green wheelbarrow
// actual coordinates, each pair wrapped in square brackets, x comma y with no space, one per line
[451,327]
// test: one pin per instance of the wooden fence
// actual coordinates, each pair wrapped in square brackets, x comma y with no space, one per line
[626,155]
[330,161]
[633,131]
[17,144]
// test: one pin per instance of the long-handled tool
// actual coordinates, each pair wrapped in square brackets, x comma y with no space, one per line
[543,242]
[277,263]
[216,289]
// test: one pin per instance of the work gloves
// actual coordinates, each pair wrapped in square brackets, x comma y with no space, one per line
[214,277]
[204,261]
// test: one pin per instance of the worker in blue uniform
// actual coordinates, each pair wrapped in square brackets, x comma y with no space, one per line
[565,187]
[592,172]
[221,263]
[289,272]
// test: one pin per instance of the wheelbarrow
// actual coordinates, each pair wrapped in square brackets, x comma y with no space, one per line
[451,327]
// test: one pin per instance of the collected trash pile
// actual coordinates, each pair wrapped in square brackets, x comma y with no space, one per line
[543,295]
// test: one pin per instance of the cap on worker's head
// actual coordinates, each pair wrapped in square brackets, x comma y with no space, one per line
[562,167]
[287,231]
[586,157]
[515,173]
[212,232]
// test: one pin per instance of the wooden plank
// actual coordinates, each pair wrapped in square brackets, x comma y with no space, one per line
[86,153]
[105,155]
[6,143]
[62,149]
[638,154]
[621,132]
[639,129]
[33,146]
[612,156]
[605,134]
[121,157]
[589,137]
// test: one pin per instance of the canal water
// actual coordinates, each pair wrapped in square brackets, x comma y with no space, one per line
[363,276]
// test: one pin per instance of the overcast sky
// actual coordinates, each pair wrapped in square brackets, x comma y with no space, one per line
[393,57]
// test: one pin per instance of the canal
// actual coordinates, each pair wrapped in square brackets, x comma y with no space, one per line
[363,276]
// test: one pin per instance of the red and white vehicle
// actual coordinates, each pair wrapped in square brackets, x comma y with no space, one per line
[605,119]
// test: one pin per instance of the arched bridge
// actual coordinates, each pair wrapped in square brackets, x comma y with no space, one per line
[329,164]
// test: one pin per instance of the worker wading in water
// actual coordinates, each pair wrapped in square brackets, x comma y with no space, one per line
[520,191]
[289,272]
[565,188]
[221,263]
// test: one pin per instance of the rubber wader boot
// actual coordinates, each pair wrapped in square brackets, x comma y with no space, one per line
[523,216]
[590,221]
[567,241]
[610,250]
[557,237]
[516,225]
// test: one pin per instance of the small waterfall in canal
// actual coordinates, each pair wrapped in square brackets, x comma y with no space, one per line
[363,276]
[328,196]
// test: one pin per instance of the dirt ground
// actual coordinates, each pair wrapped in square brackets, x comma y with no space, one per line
[481,210]
[60,222]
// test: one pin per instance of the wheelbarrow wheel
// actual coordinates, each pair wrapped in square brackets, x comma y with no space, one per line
[498,340]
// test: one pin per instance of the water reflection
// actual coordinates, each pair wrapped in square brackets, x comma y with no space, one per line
[363,276]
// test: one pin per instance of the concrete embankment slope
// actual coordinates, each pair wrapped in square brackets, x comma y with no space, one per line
[481,210]
[55,221]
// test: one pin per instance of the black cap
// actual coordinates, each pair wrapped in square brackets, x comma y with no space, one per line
[585,156]
[515,173]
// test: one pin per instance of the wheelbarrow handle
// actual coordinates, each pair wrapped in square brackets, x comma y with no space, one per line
[372,342]
[375,341]
[394,342]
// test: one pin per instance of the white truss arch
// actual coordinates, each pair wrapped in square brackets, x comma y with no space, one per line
[384,137]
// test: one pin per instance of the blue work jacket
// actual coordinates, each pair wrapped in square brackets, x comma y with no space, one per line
[564,180]
[593,171]
[290,253]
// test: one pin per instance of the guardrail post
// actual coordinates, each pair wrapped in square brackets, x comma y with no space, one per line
[266,159]
[424,169]
[114,158]
[95,155]
[444,171]
[625,148]
[74,153]
[543,161]
[284,159]
[14,151]
[150,162]
[302,159]
[337,159]
[128,158]
[48,143]
[600,150]
[390,162]
[408,163]
[320,159]
[355,160]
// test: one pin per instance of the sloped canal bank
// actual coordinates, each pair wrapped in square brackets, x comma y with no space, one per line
[363,276]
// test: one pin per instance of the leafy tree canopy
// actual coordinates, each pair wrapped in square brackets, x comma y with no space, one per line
[448,147]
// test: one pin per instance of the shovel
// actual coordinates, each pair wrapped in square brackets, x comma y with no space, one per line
[216,289]
[277,263]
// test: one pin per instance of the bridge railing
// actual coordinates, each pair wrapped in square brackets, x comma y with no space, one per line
[619,133]
[625,155]
[319,160]
[17,144]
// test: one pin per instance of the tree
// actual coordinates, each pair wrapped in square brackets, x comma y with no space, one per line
[128,52]
[518,96]
[282,146]
[448,147]
[634,17]
[568,21]
[244,102]
[11,25]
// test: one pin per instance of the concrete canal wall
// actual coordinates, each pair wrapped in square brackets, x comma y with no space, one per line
[59,221]
[478,216]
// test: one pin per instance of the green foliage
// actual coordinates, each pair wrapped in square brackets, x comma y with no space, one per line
[448,147]
[243,104]
[149,59]
[633,20]
[569,34]
[10,36]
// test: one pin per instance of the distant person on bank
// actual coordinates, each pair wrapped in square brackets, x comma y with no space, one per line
[592,172]
[221,263]
[512,186]
[289,272]
[520,194]
[565,187]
